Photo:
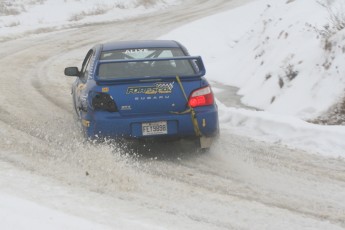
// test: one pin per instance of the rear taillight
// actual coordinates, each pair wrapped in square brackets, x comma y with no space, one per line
[201,97]
[103,101]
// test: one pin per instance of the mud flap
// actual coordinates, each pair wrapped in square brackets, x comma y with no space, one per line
[206,142]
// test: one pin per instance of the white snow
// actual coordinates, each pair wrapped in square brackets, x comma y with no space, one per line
[288,130]
[29,201]
[255,47]
[22,17]
[36,216]
[251,47]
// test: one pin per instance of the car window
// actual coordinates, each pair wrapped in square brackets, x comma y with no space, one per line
[144,68]
[86,66]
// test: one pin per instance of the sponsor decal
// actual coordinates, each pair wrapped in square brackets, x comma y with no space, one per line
[151,98]
[126,107]
[133,51]
[157,88]
[105,89]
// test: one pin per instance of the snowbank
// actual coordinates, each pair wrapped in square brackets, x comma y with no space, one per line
[23,17]
[276,52]
[288,130]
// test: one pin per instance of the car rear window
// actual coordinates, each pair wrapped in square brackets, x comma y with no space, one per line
[135,69]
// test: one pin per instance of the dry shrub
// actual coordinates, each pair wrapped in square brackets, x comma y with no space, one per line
[336,17]
[6,8]
[146,3]
[98,10]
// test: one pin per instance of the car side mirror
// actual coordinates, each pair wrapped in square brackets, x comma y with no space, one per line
[72,71]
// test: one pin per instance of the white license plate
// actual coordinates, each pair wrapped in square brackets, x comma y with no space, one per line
[154,128]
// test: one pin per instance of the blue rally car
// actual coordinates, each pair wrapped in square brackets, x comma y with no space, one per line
[150,90]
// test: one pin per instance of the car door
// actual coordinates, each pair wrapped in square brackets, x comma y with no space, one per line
[80,85]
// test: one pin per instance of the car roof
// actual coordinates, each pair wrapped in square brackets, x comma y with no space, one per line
[140,44]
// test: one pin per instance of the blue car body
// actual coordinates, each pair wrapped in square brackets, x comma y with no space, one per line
[144,90]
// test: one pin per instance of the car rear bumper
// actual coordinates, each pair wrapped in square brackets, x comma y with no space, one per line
[101,124]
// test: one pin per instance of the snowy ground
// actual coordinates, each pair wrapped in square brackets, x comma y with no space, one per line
[241,184]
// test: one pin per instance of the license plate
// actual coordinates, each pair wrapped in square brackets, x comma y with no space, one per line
[154,128]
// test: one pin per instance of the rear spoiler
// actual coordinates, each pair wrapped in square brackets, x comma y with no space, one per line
[196,62]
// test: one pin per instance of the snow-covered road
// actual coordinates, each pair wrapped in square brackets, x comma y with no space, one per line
[240,184]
